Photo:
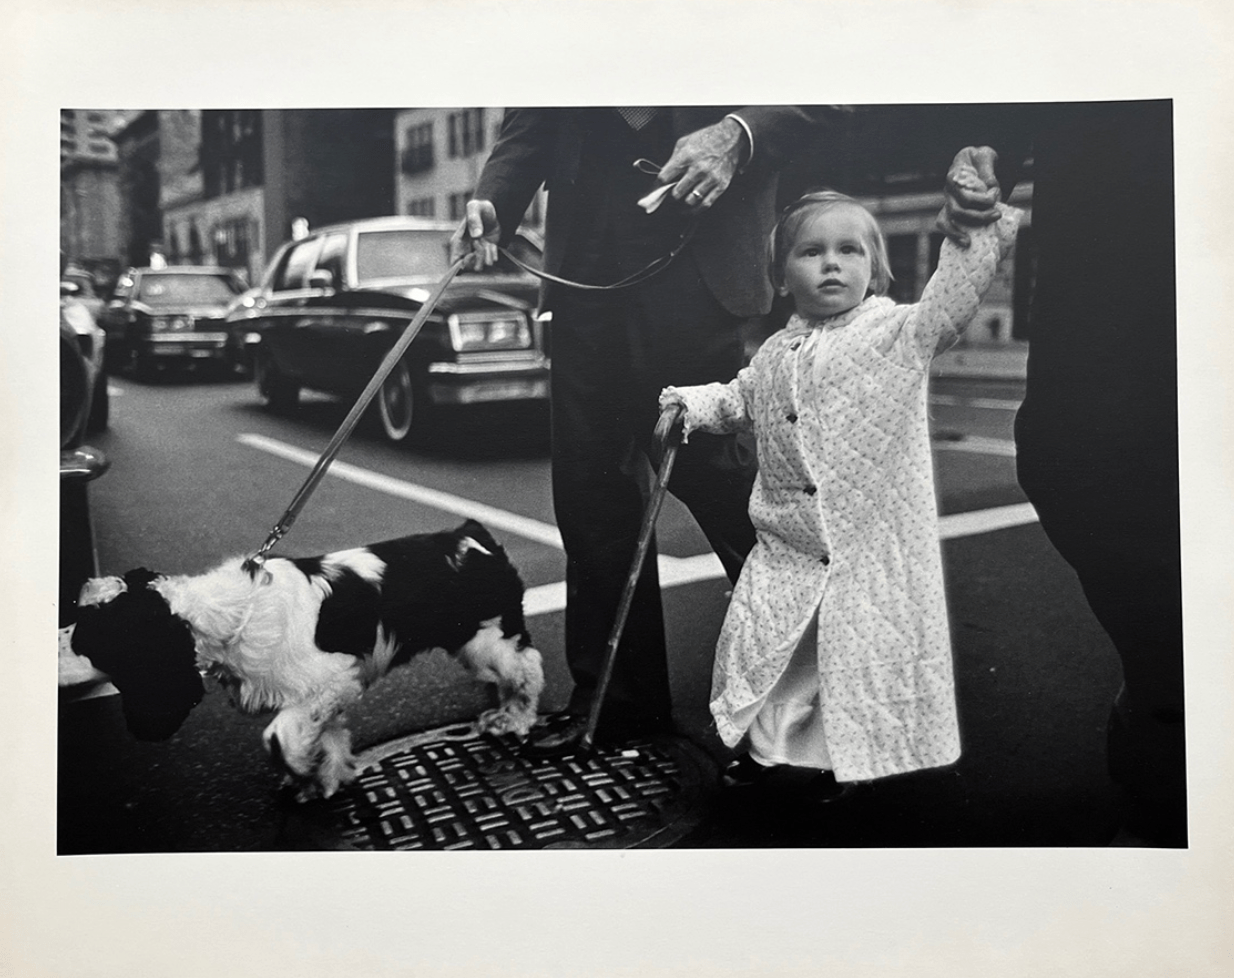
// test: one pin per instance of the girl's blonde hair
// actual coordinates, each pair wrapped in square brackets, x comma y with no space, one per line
[795,214]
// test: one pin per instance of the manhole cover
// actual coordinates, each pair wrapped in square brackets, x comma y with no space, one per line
[454,789]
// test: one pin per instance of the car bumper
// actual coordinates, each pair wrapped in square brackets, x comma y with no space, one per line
[488,382]
[191,346]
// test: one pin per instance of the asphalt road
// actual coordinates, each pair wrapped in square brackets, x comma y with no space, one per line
[200,471]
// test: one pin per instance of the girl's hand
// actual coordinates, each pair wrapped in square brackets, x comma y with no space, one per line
[972,194]
[669,427]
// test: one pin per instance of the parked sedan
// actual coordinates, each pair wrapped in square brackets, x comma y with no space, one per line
[87,392]
[168,315]
[332,304]
[80,378]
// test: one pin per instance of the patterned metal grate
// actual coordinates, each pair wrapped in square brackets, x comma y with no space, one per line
[453,789]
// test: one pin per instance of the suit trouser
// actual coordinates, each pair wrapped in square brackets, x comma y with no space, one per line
[1116,523]
[613,352]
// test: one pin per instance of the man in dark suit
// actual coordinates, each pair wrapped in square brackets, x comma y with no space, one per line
[1097,434]
[614,350]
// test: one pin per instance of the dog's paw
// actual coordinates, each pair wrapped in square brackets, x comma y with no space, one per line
[293,743]
[502,722]
[335,772]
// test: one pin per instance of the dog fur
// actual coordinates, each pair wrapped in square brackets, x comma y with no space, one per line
[304,637]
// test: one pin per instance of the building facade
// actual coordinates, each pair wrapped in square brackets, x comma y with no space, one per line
[256,172]
[439,156]
[90,203]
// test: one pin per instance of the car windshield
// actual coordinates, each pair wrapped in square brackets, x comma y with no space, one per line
[180,289]
[402,253]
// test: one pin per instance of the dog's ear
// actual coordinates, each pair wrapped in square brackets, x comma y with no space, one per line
[147,652]
[479,533]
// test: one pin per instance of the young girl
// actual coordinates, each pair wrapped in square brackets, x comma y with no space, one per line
[835,653]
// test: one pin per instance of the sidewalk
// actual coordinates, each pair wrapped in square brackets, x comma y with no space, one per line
[1004,361]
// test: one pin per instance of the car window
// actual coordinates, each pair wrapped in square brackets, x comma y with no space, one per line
[174,289]
[295,272]
[402,253]
[331,258]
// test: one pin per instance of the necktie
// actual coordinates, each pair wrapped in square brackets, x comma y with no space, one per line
[637,116]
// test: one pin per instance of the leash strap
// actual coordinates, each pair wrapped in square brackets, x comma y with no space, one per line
[649,270]
[254,563]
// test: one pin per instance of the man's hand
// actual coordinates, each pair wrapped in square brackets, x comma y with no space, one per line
[972,193]
[703,163]
[478,233]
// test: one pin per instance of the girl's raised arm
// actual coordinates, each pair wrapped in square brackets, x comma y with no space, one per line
[955,290]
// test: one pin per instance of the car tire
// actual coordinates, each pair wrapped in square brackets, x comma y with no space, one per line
[280,392]
[100,406]
[399,406]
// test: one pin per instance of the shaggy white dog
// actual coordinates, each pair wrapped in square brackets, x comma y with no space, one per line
[304,637]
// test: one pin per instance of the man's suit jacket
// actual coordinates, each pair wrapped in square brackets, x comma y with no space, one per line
[543,146]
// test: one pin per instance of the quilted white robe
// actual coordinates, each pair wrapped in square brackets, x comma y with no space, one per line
[847,522]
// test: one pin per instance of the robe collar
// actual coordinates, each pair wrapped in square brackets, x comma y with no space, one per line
[801,324]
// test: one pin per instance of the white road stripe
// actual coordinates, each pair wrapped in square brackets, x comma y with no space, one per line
[985,520]
[989,403]
[493,518]
[549,598]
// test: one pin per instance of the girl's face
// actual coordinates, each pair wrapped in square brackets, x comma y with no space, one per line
[828,268]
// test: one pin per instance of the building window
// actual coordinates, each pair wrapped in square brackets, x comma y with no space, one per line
[466,131]
[422,207]
[418,151]
[458,204]
[231,147]
[233,243]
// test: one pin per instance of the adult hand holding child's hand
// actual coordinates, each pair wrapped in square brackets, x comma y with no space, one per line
[972,193]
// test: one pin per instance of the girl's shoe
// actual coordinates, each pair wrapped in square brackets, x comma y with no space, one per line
[744,772]
[823,788]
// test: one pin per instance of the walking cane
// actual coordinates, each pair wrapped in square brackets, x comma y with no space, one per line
[667,441]
[254,563]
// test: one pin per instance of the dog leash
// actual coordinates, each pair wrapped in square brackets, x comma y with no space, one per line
[650,204]
[254,563]
[649,270]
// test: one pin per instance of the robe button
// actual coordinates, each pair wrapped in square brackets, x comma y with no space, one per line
[825,559]
[810,490]
[792,418]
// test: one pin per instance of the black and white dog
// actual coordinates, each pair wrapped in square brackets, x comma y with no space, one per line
[306,636]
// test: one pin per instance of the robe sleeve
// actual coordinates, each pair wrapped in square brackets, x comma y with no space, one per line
[956,288]
[716,408]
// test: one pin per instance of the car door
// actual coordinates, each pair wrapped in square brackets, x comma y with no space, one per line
[286,318]
[327,330]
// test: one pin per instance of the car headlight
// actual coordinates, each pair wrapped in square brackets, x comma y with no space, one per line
[505,333]
[170,324]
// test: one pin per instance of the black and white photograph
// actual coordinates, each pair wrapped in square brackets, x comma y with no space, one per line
[770,509]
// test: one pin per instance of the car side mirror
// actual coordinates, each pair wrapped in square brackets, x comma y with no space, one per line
[321,279]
